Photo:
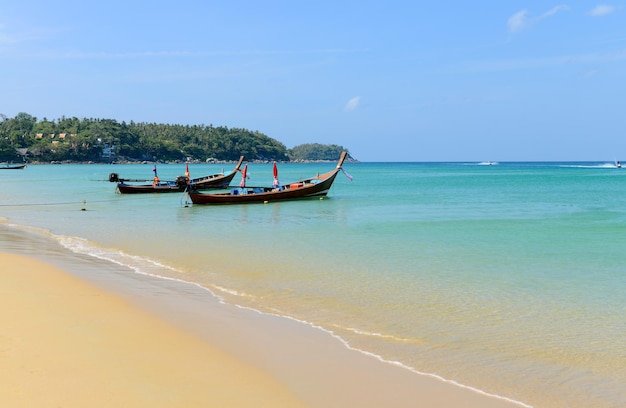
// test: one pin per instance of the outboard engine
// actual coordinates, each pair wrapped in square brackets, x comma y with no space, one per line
[181,181]
[114,178]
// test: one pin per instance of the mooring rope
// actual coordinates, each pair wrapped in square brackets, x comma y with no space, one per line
[83,202]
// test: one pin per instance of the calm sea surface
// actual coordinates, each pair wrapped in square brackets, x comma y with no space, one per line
[509,278]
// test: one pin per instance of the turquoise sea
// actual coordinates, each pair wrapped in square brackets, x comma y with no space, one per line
[509,278]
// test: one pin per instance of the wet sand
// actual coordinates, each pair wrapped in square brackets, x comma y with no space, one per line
[102,336]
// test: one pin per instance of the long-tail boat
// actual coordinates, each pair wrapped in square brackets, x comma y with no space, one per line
[181,183]
[11,166]
[313,187]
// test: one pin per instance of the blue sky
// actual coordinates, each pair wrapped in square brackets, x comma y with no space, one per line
[390,81]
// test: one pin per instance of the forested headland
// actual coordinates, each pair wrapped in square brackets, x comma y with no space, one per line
[26,138]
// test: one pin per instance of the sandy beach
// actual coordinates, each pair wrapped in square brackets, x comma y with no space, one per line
[102,342]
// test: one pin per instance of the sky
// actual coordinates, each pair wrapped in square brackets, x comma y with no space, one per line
[388,80]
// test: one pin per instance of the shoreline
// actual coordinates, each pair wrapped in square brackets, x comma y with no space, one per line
[302,364]
[68,343]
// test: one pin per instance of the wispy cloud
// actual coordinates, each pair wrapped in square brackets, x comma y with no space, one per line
[352,104]
[518,21]
[169,54]
[590,73]
[16,34]
[601,10]
[6,37]
[522,19]
[554,10]
[535,63]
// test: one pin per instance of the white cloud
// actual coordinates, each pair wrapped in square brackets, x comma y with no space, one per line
[554,10]
[601,10]
[521,19]
[352,104]
[517,21]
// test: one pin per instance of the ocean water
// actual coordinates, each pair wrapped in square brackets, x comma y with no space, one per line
[509,278]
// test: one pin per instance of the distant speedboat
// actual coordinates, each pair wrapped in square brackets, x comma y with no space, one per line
[488,163]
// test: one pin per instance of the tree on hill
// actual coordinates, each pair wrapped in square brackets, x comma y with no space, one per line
[316,151]
[87,139]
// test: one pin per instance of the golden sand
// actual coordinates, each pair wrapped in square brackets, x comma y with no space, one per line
[66,343]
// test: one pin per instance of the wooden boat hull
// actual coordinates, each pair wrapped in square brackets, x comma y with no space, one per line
[180,185]
[215,181]
[263,194]
[168,187]
[308,188]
